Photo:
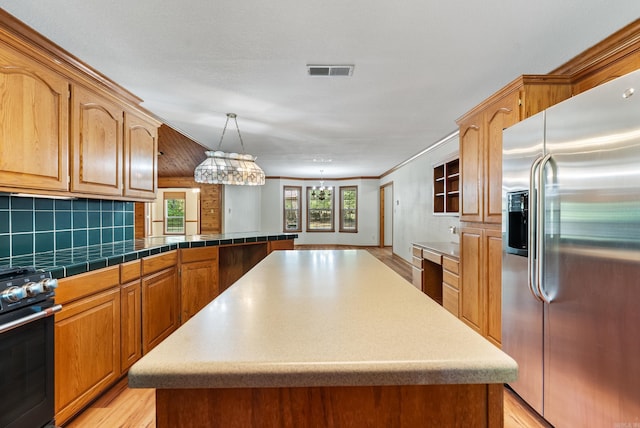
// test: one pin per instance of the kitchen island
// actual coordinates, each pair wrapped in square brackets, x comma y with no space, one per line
[324,338]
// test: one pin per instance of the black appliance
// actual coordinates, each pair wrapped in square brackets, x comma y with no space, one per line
[27,348]
[516,222]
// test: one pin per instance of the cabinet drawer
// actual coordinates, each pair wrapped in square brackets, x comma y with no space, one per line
[129,271]
[86,284]
[417,251]
[432,256]
[417,277]
[159,261]
[417,262]
[450,279]
[450,299]
[451,265]
[188,255]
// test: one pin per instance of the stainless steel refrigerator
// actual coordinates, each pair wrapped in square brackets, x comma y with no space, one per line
[571,257]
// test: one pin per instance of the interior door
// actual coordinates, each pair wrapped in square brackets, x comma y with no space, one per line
[388,216]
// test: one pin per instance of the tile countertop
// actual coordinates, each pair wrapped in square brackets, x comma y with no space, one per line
[73,261]
[448,249]
[321,318]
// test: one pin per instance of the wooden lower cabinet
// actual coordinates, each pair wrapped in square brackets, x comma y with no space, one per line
[493,268]
[113,316]
[130,324]
[416,267]
[481,280]
[472,290]
[450,288]
[160,307]
[87,351]
[198,279]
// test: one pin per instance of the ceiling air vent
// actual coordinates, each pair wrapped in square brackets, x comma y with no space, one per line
[330,70]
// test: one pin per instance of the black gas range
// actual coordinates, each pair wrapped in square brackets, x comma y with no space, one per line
[27,347]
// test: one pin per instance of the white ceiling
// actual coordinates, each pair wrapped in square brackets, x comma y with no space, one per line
[419,65]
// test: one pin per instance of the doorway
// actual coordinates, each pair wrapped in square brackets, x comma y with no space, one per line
[386,215]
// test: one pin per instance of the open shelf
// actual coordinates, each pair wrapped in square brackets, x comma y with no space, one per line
[446,190]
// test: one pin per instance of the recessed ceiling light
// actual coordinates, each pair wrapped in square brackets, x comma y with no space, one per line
[330,70]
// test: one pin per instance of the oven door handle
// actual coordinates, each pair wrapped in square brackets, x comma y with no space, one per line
[30,318]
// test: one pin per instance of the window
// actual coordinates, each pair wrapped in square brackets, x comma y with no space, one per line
[320,209]
[349,209]
[292,209]
[174,207]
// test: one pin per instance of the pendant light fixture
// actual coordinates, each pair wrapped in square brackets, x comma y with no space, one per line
[229,168]
[322,192]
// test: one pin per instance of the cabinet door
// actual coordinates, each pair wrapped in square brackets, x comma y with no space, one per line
[498,116]
[87,351]
[198,286]
[493,267]
[140,157]
[130,324]
[160,307]
[472,288]
[34,130]
[96,144]
[471,158]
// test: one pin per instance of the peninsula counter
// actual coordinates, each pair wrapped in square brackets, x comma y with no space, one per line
[324,338]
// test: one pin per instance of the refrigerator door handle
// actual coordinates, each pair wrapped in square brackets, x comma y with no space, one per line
[540,230]
[532,269]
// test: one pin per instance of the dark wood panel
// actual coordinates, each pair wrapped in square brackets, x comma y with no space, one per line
[235,261]
[180,154]
[361,406]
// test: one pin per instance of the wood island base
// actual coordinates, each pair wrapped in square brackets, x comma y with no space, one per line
[475,405]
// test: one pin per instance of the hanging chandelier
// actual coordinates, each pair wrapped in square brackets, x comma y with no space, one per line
[229,168]
[321,193]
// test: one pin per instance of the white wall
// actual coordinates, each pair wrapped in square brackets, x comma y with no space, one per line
[368,217]
[413,218]
[242,208]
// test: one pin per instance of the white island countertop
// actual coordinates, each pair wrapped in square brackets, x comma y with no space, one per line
[321,318]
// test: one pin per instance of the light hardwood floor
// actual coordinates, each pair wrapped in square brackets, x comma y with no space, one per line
[123,407]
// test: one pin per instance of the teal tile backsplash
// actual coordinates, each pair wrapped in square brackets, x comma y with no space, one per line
[29,225]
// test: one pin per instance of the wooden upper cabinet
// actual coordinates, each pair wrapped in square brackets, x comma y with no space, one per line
[471,167]
[140,157]
[34,117]
[481,159]
[96,144]
[481,140]
[497,117]
[61,133]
